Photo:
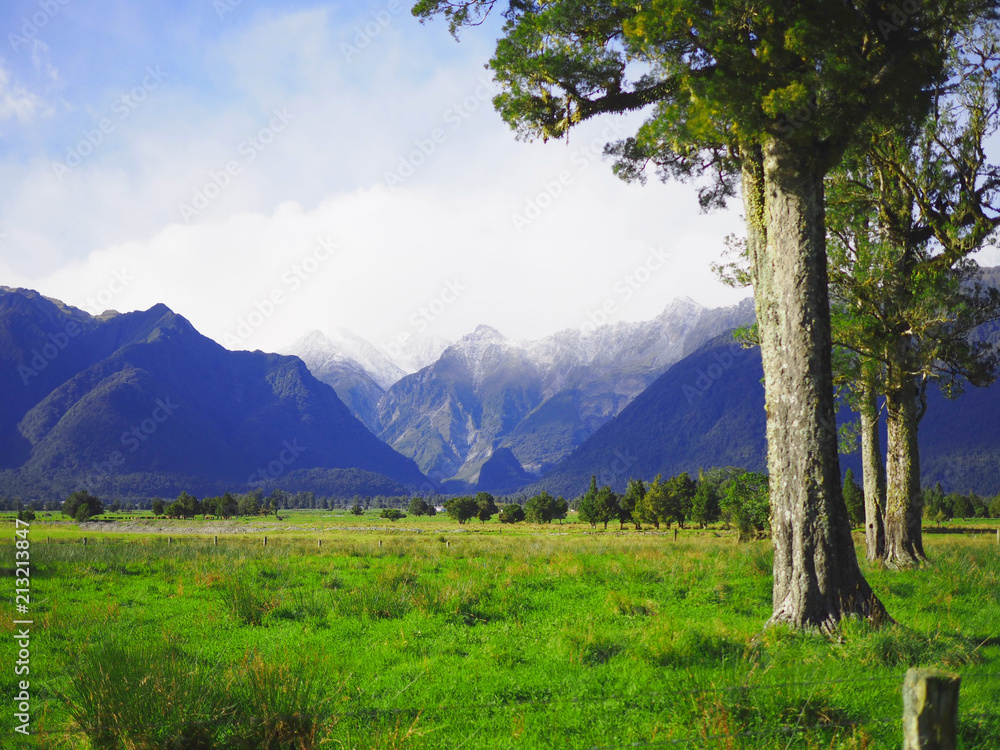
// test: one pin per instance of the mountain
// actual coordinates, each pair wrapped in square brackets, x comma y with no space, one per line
[538,399]
[142,401]
[321,350]
[356,370]
[708,410]
[502,472]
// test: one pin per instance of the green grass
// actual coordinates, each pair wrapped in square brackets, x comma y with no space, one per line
[535,637]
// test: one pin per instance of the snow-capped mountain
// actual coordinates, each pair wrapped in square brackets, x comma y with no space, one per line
[330,348]
[539,398]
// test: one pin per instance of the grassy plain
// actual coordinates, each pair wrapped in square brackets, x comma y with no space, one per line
[484,637]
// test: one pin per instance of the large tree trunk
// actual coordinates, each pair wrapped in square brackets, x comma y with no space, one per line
[903,542]
[817,580]
[873,472]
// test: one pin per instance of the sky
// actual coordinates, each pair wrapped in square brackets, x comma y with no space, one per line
[271,168]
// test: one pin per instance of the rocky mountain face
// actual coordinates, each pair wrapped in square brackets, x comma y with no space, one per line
[708,410]
[539,399]
[142,400]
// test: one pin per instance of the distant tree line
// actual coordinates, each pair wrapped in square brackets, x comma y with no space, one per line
[732,496]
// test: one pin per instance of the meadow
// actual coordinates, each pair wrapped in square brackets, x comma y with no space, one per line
[348,632]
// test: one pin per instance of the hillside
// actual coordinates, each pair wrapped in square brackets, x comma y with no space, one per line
[140,400]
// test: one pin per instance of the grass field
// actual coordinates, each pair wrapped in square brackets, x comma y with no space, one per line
[533,636]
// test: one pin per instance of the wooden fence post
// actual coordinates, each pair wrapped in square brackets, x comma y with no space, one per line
[930,709]
[85,541]
[265,541]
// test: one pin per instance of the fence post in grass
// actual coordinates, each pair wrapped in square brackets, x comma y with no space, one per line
[265,541]
[930,709]
[319,544]
[85,541]
[170,540]
[998,534]
[215,541]
[380,543]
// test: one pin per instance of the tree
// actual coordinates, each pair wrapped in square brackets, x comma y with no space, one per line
[419,507]
[539,509]
[907,208]
[705,505]
[249,504]
[605,506]
[486,506]
[746,502]
[994,507]
[652,508]
[356,509]
[680,492]
[461,508]
[279,500]
[26,515]
[560,509]
[511,513]
[854,499]
[393,514]
[157,506]
[229,506]
[81,505]
[768,94]
[634,492]
[185,506]
[586,507]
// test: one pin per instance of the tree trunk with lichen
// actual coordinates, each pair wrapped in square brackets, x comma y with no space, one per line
[903,537]
[817,580]
[873,471]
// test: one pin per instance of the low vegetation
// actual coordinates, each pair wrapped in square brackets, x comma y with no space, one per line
[420,633]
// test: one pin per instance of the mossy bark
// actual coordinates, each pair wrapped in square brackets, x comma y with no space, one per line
[817,580]
[903,537]
[873,472]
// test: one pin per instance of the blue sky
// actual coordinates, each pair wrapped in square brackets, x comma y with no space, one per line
[273,168]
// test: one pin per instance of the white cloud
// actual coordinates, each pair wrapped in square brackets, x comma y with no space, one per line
[536,235]
[16,102]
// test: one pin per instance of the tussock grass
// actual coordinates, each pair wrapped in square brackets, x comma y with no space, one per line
[529,639]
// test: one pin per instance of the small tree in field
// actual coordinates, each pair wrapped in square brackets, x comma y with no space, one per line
[746,503]
[628,502]
[705,505]
[540,508]
[81,505]
[461,508]
[653,508]
[393,514]
[356,509]
[606,508]
[157,507]
[420,507]
[560,508]
[586,508]
[680,495]
[512,513]
[486,507]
